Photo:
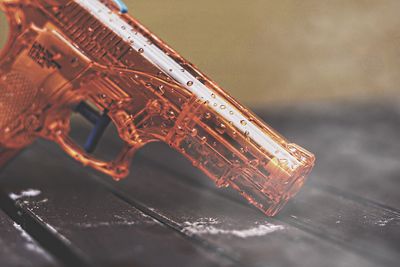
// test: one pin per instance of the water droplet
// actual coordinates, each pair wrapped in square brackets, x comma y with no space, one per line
[141,50]
[231,112]
[207,115]
[243,122]
[180,130]
[292,148]
[244,150]
[203,140]
[215,104]
[221,182]
[213,96]
[222,107]
[221,128]
[246,133]
[189,83]
[155,107]
[171,114]
[161,89]
[193,133]
[284,162]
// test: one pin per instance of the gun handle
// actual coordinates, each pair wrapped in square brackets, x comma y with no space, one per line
[17,90]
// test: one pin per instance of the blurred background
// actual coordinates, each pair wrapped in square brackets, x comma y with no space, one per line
[284,51]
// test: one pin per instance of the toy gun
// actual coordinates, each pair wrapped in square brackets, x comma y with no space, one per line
[91,57]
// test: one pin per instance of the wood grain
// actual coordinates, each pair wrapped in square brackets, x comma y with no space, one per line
[97,227]
[18,248]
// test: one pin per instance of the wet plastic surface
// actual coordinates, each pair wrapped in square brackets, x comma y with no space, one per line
[61,53]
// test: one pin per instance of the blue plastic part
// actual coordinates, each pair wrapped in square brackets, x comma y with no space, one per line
[96,134]
[122,6]
[100,121]
[87,112]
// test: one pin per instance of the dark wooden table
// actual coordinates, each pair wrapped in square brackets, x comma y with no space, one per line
[54,212]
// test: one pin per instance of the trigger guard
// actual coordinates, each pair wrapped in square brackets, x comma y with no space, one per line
[118,168]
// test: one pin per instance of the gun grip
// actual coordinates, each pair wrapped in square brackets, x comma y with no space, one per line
[17,90]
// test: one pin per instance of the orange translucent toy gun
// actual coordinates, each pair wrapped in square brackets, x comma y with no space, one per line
[90,56]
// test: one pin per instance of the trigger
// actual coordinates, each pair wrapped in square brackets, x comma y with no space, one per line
[100,122]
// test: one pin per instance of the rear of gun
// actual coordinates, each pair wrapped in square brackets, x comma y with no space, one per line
[61,54]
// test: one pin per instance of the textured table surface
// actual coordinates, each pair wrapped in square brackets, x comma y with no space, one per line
[54,212]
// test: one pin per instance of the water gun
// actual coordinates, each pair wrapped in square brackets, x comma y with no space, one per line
[92,58]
